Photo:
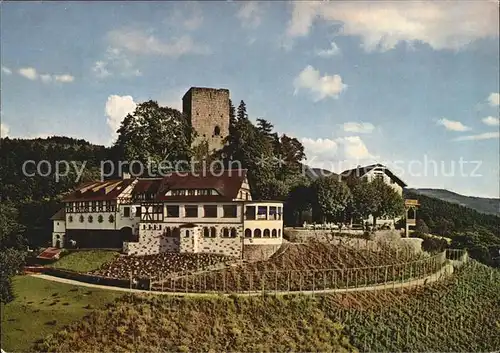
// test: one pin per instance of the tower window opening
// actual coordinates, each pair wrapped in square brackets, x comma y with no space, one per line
[217,130]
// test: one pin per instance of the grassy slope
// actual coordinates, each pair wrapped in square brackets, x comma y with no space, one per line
[85,261]
[42,307]
[460,314]
[154,324]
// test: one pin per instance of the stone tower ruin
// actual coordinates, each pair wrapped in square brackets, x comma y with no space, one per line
[208,111]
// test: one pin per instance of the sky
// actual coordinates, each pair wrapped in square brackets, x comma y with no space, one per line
[412,85]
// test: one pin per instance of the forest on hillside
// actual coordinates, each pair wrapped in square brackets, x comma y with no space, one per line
[478,232]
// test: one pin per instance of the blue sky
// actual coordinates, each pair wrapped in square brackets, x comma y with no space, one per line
[402,83]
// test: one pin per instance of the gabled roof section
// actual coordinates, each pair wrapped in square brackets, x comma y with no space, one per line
[59,215]
[227,184]
[99,190]
[361,171]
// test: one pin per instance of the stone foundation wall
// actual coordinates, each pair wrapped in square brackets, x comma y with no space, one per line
[151,242]
[155,241]
[225,246]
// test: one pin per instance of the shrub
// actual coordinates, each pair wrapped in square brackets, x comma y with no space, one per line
[432,245]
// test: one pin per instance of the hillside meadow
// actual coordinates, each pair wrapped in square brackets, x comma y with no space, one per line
[459,314]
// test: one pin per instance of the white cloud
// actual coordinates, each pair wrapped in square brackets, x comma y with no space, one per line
[320,86]
[250,14]
[115,62]
[332,51]
[354,148]
[65,78]
[6,70]
[494,99]
[4,130]
[140,42]
[336,154]
[116,109]
[365,128]
[491,120]
[483,136]
[32,74]
[382,25]
[28,72]
[45,78]
[453,125]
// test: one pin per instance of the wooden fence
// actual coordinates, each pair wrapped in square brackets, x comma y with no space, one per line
[239,280]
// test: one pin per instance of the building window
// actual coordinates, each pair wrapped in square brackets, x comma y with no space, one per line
[191,211]
[167,232]
[216,130]
[280,212]
[138,211]
[257,233]
[229,211]
[274,234]
[279,233]
[70,219]
[267,233]
[173,211]
[111,218]
[234,232]
[126,211]
[213,232]
[247,196]
[91,219]
[273,212]
[262,212]
[250,212]
[187,233]
[225,233]
[248,233]
[210,211]
[206,232]
[100,218]
[81,219]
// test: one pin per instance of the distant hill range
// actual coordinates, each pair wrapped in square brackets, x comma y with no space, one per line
[480,204]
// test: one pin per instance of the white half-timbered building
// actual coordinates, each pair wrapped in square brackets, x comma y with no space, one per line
[182,212]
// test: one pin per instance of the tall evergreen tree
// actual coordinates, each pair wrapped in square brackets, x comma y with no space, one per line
[242,111]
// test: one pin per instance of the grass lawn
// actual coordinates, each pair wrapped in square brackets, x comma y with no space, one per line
[42,307]
[85,261]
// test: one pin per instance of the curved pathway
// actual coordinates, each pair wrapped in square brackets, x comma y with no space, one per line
[445,271]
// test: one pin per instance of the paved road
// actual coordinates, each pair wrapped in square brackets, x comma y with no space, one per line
[442,273]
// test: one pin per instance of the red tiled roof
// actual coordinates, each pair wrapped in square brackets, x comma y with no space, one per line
[99,190]
[227,185]
[50,253]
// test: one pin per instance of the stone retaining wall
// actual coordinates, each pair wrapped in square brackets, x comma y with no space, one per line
[378,241]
